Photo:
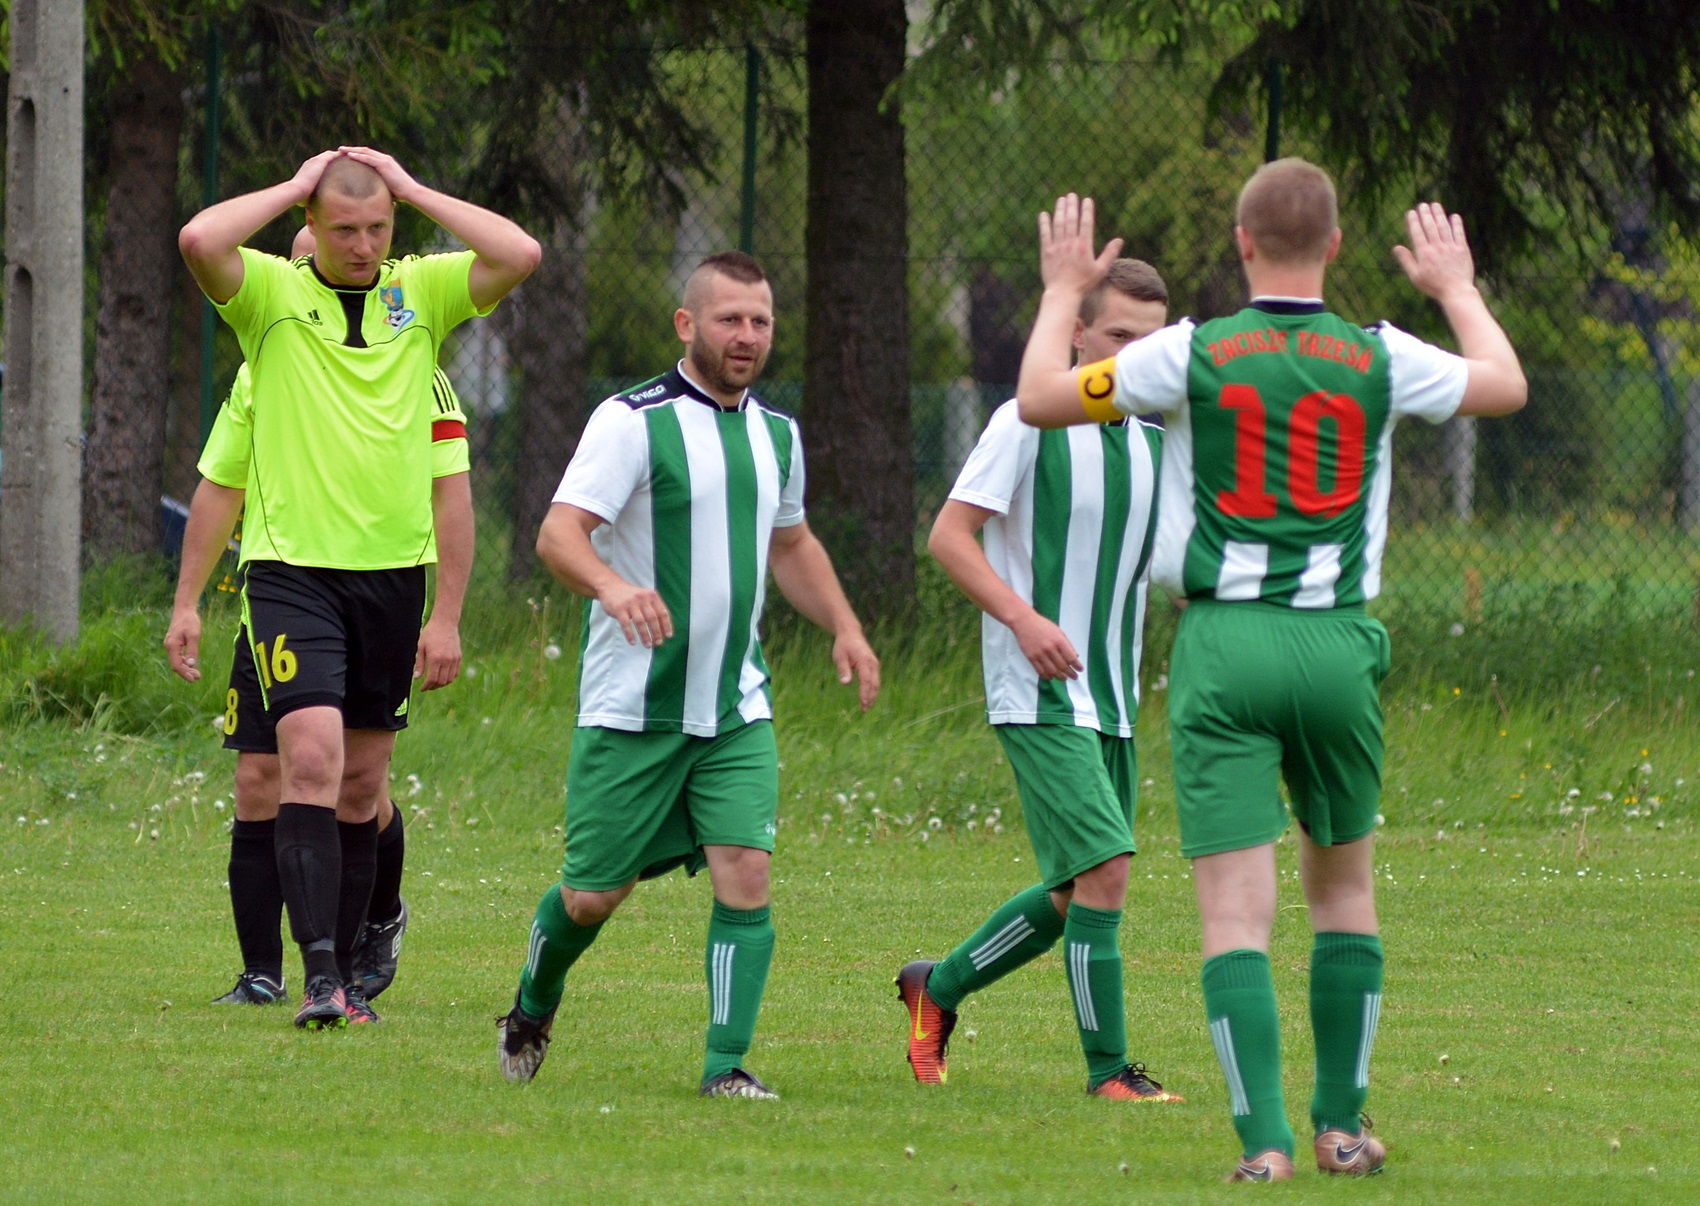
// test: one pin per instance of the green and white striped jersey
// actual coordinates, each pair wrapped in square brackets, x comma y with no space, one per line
[1072,535]
[691,494]
[1277,463]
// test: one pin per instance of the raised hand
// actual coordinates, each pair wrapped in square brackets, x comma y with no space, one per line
[1438,260]
[1066,259]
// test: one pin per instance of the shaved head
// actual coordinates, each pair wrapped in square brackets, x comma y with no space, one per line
[349,178]
[1289,210]
[734,265]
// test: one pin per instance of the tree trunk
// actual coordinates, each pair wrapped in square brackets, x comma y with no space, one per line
[138,268]
[856,421]
[547,335]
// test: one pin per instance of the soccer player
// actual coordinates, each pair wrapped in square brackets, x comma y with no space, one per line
[255,896]
[682,493]
[1272,521]
[341,348]
[1068,518]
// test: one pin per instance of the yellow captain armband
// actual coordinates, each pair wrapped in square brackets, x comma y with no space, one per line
[1097,383]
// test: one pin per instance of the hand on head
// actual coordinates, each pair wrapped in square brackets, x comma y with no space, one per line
[306,176]
[395,178]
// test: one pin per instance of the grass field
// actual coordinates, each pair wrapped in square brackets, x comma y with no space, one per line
[1538,884]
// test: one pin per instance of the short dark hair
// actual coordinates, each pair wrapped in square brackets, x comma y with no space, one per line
[1289,210]
[1132,277]
[736,265]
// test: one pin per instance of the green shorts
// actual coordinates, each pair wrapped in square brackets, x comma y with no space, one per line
[640,804]
[1260,693]
[1078,788]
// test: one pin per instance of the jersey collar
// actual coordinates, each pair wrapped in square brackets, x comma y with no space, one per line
[1288,305]
[320,277]
[702,395]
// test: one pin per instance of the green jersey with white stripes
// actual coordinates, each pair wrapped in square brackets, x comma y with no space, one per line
[690,493]
[1277,466]
[1072,535]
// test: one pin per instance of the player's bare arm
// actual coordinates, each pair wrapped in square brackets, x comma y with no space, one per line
[1438,262]
[563,545]
[506,255]
[209,241]
[213,512]
[1047,391]
[437,661]
[803,571]
[953,545]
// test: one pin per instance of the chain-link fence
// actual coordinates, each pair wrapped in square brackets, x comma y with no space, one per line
[1587,497]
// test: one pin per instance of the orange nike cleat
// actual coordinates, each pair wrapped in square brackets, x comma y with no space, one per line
[929,1023]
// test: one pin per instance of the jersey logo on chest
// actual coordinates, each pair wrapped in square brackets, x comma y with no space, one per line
[399,315]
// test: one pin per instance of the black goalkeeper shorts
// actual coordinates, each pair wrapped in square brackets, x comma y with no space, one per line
[334,638]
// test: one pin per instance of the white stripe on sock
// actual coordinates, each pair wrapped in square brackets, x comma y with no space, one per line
[1079,961]
[533,949]
[720,983]
[1222,1037]
[1366,1037]
[1000,943]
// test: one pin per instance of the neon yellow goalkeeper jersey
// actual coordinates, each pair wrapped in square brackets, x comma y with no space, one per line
[228,456]
[343,407]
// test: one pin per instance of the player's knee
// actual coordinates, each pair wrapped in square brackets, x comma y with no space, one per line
[591,908]
[258,782]
[362,789]
[1103,886]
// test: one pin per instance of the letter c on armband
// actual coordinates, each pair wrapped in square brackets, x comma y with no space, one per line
[1098,391]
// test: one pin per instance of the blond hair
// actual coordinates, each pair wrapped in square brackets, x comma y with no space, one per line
[1289,209]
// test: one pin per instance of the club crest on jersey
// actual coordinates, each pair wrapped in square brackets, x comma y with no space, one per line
[399,315]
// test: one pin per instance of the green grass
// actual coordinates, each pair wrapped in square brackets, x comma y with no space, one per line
[1537,883]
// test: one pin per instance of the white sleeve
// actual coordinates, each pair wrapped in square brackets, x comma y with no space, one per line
[609,464]
[1151,372]
[790,512]
[1424,380]
[1001,458]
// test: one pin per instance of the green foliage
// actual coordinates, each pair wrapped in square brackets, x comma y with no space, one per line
[105,681]
[982,42]
[1500,108]
[113,678]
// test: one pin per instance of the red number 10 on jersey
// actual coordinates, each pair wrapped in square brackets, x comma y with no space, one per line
[1250,498]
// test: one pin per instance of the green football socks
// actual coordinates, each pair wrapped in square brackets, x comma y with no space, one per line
[738,954]
[1345,1004]
[556,943]
[1094,960]
[1239,1003]
[1024,927]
